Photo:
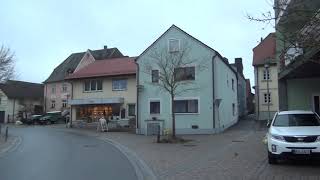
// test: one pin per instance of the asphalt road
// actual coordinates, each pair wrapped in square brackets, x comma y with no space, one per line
[53,154]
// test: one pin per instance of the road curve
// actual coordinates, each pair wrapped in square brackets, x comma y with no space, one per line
[55,154]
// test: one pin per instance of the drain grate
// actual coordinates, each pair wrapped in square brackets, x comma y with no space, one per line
[90,145]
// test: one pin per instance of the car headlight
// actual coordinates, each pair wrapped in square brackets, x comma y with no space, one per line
[278,137]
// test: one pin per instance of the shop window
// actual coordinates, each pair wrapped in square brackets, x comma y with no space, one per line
[186,106]
[155,107]
[119,84]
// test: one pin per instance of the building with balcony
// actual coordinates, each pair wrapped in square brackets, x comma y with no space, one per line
[298,54]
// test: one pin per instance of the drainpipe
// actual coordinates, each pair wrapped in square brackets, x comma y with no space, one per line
[71,97]
[213,93]
[137,94]
[258,95]
[14,107]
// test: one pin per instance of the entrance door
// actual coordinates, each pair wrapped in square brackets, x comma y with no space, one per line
[316,104]
[2,116]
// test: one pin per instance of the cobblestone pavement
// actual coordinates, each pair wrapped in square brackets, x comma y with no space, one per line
[237,153]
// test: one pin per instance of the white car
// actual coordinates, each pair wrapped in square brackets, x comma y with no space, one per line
[293,134]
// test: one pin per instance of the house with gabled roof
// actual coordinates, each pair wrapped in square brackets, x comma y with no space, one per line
[56,90]
[211,107]
[104,88]
[19,99]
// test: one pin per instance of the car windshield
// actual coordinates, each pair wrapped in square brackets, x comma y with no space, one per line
[286,120]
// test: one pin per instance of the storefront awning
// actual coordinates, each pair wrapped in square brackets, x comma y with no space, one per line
[115,100]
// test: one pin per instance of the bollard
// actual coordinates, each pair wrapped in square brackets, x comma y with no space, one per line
[6,137]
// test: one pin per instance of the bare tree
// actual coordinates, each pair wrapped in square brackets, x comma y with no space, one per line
[297,42]
[171,76]
[7,64]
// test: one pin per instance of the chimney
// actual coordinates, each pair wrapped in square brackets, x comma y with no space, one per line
[261,39]
[239,65]
[105,47]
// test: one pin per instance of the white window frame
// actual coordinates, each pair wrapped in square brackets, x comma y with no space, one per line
[188,98]
[264,98]
[53,89]
[189,66]
[154,100]
[64,88]
[266,75]
[158,75]
[64,102]
[135,109]
[53,104]
[179,45]
[120,89]
[84,85]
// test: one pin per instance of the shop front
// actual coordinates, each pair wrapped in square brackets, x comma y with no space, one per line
[90,110]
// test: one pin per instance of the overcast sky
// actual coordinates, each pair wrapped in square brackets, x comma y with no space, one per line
[44,33]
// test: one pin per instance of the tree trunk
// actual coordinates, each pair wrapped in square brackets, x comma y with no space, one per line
[173,117]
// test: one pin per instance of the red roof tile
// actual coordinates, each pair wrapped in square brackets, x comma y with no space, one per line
[107,67]
[265,50]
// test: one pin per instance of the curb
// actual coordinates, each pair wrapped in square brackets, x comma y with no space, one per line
[12,146]
[143,171]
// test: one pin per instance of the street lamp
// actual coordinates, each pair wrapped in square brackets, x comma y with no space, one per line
[267,66]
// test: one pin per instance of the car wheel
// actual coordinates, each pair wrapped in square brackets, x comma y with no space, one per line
[272,159]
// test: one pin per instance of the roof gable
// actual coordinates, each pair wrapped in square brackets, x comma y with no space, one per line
[71,63]
[193,38]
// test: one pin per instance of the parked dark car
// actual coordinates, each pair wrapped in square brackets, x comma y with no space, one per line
[34,119]
[51,118]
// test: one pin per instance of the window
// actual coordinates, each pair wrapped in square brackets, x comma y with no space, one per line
[267,97]
[233,109]
[131,110]
[287,120]
[64,103]
[53,104]
[53,89]
[184,73]
[232,84]
[155,107]
[186,106]
[174,45]
[0,100]
[64,87]
[266,74]
[155,76]
[119,84]
[93,85]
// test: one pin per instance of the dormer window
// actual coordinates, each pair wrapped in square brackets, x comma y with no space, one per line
[173,45]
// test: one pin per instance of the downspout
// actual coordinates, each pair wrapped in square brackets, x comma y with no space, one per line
[213,93]
[258,94]
[45,98]
[14,107]
[71,97]
[137,96]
